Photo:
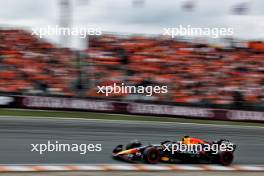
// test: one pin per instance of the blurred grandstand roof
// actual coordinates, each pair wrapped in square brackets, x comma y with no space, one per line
[121,16]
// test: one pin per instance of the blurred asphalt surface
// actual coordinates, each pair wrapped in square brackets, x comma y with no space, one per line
[16,135]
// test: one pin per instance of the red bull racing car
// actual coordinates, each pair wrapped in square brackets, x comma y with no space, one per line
[188,150]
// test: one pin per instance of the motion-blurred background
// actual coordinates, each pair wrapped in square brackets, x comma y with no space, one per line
[222,72]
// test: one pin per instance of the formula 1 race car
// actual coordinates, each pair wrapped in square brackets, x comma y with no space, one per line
[218,152]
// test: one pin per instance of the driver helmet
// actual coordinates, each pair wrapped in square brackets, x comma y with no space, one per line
[185,139]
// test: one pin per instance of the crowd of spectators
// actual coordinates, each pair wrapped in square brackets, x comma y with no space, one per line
[194,73]
[29,65]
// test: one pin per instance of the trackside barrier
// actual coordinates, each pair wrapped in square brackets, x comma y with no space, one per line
[99,105]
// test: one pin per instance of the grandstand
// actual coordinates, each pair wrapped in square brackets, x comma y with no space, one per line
[32,66]
[197,74]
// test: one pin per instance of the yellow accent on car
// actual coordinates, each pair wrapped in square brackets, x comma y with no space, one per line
[164,158]
[128,151]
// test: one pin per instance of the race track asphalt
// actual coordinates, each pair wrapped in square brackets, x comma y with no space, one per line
[17,135]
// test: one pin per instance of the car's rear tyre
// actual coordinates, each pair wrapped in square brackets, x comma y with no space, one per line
[151,155]
[225,158]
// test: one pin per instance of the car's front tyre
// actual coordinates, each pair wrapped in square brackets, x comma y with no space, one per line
[151,155]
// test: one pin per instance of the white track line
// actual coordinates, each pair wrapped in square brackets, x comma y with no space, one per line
[137,121]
